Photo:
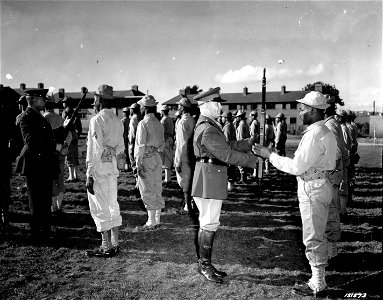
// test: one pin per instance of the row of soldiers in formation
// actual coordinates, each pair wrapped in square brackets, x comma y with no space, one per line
[235,126]
[202,154]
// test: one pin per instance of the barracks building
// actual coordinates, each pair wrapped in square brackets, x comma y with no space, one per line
[282,101]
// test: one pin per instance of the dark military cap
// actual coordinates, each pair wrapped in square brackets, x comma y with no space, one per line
[36,93]
[213,95]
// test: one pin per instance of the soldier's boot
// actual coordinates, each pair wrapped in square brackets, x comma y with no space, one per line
[184,208]
[243,177]
[157,218]
[105,250]
[167,176]
[54,208]
[114,240]
[60,198]
[316,286]
[205,267]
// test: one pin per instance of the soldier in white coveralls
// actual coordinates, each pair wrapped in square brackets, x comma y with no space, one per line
[105,140]
[149,156]
[313,160]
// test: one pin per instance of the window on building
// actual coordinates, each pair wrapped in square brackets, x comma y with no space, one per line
[293,120]
[232,106]
[253,106]
[283,105]
[293,105]
[270,105]
[244,106]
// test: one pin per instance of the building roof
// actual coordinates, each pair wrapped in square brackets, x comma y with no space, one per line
[240,98]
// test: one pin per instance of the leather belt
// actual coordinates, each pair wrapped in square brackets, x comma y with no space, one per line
[211,160]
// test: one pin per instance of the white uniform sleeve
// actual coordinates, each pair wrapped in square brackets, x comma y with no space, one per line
[94,147]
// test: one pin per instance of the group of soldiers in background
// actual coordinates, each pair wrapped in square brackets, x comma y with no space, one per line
[199,147]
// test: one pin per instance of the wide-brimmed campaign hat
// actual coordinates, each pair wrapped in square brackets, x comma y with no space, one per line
[254,113]
[240,113]
[165,107]
[315,99]
[184,102]
[105,91]
[125,109]
[148,101]
[280,116]
[212,95]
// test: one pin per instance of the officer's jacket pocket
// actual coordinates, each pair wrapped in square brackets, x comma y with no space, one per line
[210,181]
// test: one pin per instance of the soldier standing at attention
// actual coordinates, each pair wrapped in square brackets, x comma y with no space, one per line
[135,118]
[104,143]
[149,156]
[184,159]
[229,132]
[333,227]
[62,141]
[255,133]
[242,132]
[314,158]
[76,130]
[269,139]
[209,188]
[168,125]
[38,162]
[280,134]
[125,122]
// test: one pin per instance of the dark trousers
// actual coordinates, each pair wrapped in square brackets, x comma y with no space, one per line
[39,189]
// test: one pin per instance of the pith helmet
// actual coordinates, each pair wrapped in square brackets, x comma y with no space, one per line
[315,99]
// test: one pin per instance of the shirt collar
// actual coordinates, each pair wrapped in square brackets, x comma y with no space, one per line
[314,125]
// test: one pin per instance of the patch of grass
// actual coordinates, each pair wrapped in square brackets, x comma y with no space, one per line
[259,244]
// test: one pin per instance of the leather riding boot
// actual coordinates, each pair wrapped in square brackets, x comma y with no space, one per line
[205,268]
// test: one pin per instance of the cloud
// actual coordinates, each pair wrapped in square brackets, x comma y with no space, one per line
[315,70]
[250,73]
[8,76]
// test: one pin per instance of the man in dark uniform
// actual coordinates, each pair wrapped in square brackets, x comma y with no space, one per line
[213,154]
[38,161]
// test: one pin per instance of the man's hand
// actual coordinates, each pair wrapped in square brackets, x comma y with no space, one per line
[261,151]
[141,171]
[179,167]
[89,185]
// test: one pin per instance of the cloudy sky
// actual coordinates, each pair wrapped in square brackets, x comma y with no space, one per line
[165,46]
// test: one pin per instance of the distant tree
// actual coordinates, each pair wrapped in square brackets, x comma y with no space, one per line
[326,89]
[191,90]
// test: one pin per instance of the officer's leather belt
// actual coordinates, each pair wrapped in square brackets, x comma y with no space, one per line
[211,160]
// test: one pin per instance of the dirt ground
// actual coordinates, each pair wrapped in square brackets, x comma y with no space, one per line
[258,244]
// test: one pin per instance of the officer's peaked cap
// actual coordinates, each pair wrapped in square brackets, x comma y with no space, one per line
[213,95]
[36,92]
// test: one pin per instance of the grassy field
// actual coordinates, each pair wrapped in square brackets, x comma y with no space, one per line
[258,244]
